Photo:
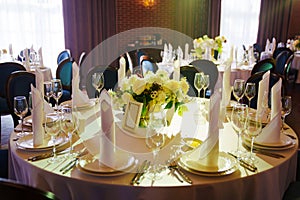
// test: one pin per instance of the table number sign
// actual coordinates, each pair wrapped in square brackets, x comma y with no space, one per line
[132,115]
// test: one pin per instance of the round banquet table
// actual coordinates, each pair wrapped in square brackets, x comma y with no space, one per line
[269,182]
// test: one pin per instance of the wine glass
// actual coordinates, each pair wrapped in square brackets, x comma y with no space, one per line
[155,139]
[20,109]
[205,83]
[198,83]
[238,121]
[286,108]
[56,90]
[69,125]
[238,89]
[253,129]
[48,90]
[52,127]
[98,82]
[250,92]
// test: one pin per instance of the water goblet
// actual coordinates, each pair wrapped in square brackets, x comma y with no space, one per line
[56,90]
[198,83]
[48,90]
[250,92]
[238,122]
[52,127]
[98,82]
[253,129]
[20,109]
[286,108]
[238,89]
[205,83]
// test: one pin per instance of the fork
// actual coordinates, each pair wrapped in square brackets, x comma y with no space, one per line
[72,163]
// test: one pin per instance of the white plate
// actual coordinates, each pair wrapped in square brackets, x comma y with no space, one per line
[269,148]
[284,141]
[85,106]
[226,164]
[26,143]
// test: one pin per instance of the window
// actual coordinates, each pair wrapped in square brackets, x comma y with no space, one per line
[37,23]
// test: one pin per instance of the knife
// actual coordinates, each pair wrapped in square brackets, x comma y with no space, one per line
[44,156]
[244,164]
[138,173]
[141,176]
[175,167]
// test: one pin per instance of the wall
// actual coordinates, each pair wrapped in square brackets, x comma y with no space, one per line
[294,28]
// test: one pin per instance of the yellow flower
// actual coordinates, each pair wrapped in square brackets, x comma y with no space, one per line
[126,97]
[184,85]
[172,85]
[139,86]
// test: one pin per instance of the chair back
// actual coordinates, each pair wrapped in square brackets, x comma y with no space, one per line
[65,54]
[263,66]
[10,189]
[64,73]
[148,65]
[281,60]
[18,84]
[210,68]
[81,58]
[110,79]
[281,49]
[189,72]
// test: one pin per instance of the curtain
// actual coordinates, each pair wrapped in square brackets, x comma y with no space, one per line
[87,23]
[274,21]
[33,23]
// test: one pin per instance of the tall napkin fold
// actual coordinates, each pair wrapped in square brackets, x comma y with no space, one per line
[26,56]
[180,53]
[122,69]
[263,94]
[176,73]
[107,135]
[267,47]
[10,50]
[226,91]
[271,132]
[129,62]
[165,54]
[37,112]
[186,51]
[39,81]
[41,57]
[207,154]
[273,47]
[79,98]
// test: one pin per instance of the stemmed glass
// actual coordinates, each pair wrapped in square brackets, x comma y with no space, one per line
[98,82]
[20,109]
[48,90]
[205,83]
[198,83]
[56,90]
[52,127]
[155,139]
[253,129]
[250,92]
[286,108]
[69,125]
[238,121]
[238,89]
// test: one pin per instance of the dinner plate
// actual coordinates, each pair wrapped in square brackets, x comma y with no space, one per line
[85,106]
[226,165]
[26,143]
[284,141]
[91,165]
[191,142]
[247,142]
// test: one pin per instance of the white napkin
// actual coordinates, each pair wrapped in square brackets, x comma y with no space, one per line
[263,93]
[267,47]
[41,57]
[207,154]
[186,51]
[271,132]
[79,98]
[180,53]
[176,73]
[39,80]
[122,69]
[226,91]
[10,50]
[37,113]
[107,135]
[26,56]
[170,52]
[165,54]
[129,62]
[273,45]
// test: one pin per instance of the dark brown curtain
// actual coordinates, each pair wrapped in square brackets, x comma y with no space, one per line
[274,20]
[196,18]
[87,23]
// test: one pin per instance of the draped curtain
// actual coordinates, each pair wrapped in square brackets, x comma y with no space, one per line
[87,23]
[274,20]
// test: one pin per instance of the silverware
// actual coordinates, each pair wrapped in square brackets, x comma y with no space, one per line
[70,165]
[244,164]
[264,152]
[141,175]
[173,165]
[172,171]
[45,155]
[138,173]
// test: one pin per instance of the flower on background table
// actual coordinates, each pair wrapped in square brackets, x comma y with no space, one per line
[296,44]
[205,42]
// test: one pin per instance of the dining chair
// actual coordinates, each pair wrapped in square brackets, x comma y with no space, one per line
[65,54]
[18,84]
[6,69]
[281,49]
[257,50]
[281,60]
[14,190]
[147,64]
[81,58]
[110,79]
[189,72]
[290,74]
[209,68]
[64,73]
[263,66]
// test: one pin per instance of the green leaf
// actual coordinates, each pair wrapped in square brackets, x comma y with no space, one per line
[169,105]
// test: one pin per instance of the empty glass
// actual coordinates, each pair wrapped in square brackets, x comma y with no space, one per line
[48,90]
[198,82]
[250,92]
[20,109]
[205,83]
[238,89]
[98,82]
[286,108]
[56,90]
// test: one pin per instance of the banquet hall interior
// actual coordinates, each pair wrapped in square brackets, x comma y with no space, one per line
[80,27]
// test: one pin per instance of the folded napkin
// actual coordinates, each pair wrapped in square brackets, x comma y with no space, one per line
[226,91]
[179,53]
[207,154]
[186,51]
[267,47]
[10,50]
[39,81]
[271,132]
[176,72]
[122,69]
[273,47]
[165,54]
[107,135]
[129,62]
[79,98]
[263,94]
[41,57]
[26,56]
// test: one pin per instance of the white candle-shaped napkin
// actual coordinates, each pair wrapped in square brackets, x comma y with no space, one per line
[10,50]
[180,53]
[186,51]
[226,91]
[26,56]
[263,94]
[37,116]
[107,135]
[176,73]
[129,63]
[41,57]
[78,97]
[165,54]
[39,81]
[122,69]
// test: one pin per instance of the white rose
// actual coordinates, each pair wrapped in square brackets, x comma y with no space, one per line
[139,86]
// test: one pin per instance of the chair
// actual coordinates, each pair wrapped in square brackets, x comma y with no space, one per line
[281,60]
[18,84]
[189,72]
[5,70]
[13,190]
[210,68]
[257,51]
[65,54]
[110,79]
[64,73]
[281,49]
[81,58]
[263,66]
[147,64]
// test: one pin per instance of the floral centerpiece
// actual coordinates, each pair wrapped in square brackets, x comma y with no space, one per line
[155,91]
[296,44]
[205,43]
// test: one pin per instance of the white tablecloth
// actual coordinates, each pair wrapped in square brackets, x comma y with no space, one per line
[270,182]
